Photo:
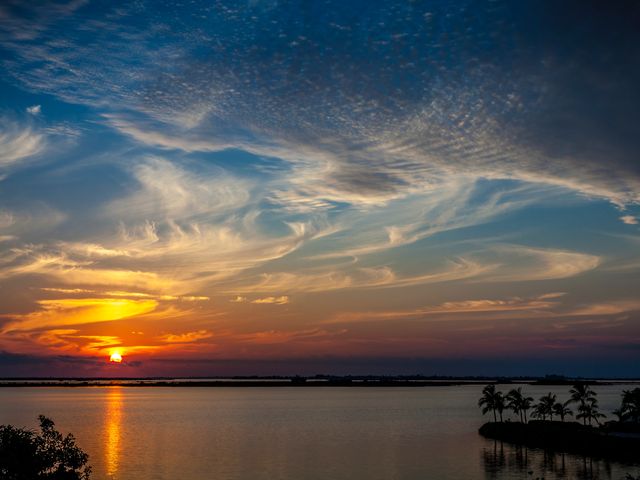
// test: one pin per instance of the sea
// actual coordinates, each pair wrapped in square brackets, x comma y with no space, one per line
[323,433]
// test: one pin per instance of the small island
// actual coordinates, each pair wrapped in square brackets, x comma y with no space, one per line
[551,430]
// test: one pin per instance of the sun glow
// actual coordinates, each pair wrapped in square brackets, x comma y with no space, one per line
[115,357]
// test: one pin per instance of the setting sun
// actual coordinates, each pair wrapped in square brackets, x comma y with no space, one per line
[115,357]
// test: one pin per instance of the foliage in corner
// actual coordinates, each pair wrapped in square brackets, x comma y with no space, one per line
[44,455]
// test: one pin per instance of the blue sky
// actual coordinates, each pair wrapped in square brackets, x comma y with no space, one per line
[256,186]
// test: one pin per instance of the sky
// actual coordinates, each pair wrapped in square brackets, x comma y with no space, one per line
[319,187]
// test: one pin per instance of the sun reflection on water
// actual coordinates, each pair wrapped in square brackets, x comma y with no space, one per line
[113,421]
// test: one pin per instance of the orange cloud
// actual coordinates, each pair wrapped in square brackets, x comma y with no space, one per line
[77,311]
[272,300]
[187,337]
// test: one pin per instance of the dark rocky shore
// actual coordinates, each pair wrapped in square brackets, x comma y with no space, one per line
[614,440]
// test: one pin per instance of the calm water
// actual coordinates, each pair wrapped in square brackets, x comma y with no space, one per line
[293,433]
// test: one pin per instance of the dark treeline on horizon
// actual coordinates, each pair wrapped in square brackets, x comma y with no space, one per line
[310,381]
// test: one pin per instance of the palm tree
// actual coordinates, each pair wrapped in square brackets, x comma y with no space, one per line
[526,406]
[520,404]
[562,409]
[581,393]
[501,404]
[514,401]
[631,404]
[546,404]
[539,411]
[490,400]
[589,411]
[620,413]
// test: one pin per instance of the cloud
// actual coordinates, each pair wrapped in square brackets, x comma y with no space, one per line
[456,204]
[329,278]
[553,312]
[282,300]
[508,263]
[31,220]
[520,263]
[152,134]
[6,219]
[247,153]
[67,290]
[78,311]
[169,191]
[188,337]
[120,293]
[72,340]
[540,306]
[34,110]
[272,300]
[361,133]
[58,265]
[18,143]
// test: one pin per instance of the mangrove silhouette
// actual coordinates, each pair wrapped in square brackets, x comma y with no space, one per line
[614,439]
[45,455]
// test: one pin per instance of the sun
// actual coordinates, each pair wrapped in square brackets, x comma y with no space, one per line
[115,357]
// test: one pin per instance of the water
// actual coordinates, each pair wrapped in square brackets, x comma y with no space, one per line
[294,433]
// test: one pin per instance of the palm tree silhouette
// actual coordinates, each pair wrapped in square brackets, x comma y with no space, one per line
[588,411]
[631,405]
[582,394]
[527,403]
[501,404]
[546,404]
[492,400]
[517,402]
[539,411]
[562,409]
[620,413]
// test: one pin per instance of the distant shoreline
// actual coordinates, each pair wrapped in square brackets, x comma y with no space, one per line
[271,382]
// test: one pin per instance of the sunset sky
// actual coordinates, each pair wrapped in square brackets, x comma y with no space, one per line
[301,187]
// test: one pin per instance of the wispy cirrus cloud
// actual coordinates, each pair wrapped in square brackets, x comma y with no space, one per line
[57,264]
[521,263]
[540,306]
[170,192]
[18,143]
[553,312]
[329,278]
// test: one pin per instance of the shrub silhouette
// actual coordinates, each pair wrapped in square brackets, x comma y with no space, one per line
[47,455]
